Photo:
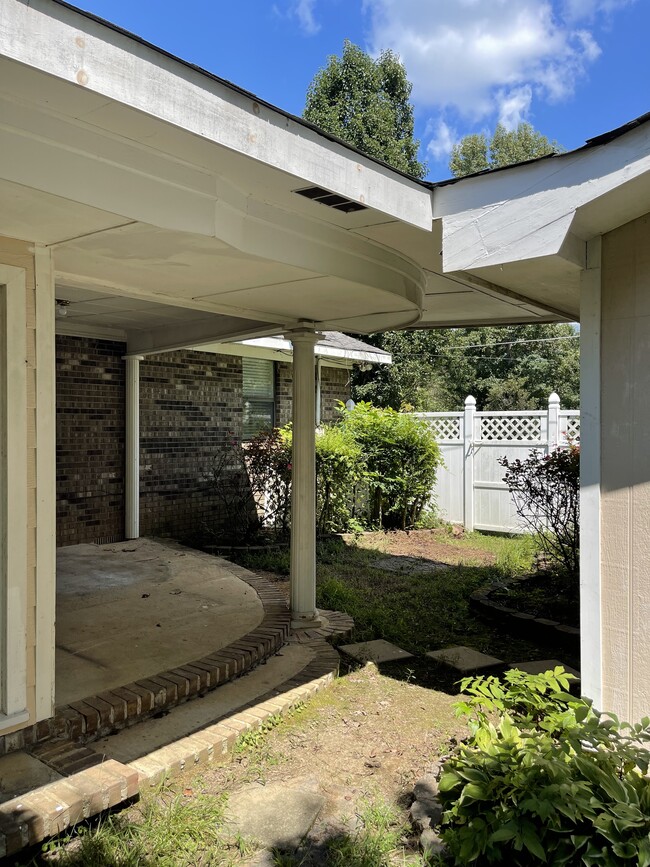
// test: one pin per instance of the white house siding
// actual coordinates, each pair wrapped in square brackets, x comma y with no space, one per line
[625,469]
[18,254]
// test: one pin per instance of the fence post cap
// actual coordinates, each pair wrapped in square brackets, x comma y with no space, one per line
[554,398]
[470,401]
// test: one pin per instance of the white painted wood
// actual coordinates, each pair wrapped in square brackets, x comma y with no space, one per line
[45,484]
[590,513]
[67,46]
[13,494]
[303,481]
[468,443]
[553,422]
[132,448]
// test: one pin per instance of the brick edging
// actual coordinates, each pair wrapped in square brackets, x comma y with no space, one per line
[53,808]
[519,622]
[113,709]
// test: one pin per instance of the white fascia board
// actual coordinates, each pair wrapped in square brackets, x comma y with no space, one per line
[241,350]
[324,350]
[528,211]
[70,46]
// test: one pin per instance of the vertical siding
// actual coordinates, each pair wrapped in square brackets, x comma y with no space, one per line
[625,469]
[19,255]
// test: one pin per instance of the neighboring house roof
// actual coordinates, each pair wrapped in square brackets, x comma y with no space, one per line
[333,347]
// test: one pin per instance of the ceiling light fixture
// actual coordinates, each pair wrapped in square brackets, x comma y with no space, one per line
[61,309]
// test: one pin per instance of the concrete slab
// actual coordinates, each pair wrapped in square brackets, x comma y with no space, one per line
[137,741]
[20,773]
[539,666]
[274,815]
[375,651]
[464,659]
[129,611]
[408,565]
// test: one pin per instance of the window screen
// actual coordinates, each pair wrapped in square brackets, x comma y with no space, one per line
[259,396]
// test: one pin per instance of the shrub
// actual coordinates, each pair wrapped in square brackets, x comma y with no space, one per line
[340,466]
[401,457]
[546,493]
[268,462]
[545,779]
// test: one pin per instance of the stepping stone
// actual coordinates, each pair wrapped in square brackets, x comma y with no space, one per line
[275,815]
[464,659]
[539,666]
[375,651]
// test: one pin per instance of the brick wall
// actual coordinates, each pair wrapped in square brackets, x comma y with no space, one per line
[190,405]
[335,386]
[90,439]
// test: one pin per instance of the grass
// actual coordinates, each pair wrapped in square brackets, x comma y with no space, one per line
[418,611]
[168,829]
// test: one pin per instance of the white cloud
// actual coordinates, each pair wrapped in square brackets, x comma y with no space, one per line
[487,57]
[304,12]
[443,138]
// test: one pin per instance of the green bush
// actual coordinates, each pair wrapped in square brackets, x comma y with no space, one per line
[545,779]
[340,466]
[401,458]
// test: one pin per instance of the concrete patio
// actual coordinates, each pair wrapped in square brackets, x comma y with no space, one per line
[130,610]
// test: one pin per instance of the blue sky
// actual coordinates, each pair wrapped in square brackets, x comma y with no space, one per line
[573,68]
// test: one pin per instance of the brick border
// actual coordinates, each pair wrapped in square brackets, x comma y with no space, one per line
[55,807]
[98,715]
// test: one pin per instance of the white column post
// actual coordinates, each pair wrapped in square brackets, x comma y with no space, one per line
[319,397]
[591,649]
[132,475]
[468,461]
[303,482]
[553,422]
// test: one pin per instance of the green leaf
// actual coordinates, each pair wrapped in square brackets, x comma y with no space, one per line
[532,842]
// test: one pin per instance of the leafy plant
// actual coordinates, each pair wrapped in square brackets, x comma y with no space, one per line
[340,466]
[401,456]
[546,493]
[545,778]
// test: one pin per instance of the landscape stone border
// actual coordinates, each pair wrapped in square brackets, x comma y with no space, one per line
[539,628]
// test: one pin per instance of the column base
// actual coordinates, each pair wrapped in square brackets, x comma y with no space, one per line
[308,621]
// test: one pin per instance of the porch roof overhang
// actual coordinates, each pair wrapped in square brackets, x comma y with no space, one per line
[169,199]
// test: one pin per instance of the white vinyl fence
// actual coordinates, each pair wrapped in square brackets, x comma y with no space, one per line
[470,489]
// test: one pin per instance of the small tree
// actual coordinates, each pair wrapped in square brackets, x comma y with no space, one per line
[546,493]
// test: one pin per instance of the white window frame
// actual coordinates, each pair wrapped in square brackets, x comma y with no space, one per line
[13,497]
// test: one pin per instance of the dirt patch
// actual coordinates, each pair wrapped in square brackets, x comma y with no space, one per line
[438,545]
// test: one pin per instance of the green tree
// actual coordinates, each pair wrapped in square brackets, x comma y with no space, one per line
[366,102]
[475,152]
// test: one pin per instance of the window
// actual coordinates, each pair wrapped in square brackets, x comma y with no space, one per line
[259,396]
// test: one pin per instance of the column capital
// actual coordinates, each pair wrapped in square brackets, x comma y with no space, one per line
[133,358]
[303,335]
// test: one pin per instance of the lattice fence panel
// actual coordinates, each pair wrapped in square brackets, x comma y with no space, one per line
[572,427]
[447,429]
[511,428]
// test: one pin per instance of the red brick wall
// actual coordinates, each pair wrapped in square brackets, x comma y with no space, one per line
[90,439]
[335,386]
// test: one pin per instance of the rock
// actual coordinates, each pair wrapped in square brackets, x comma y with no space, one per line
[425,814]
[426,788]
[431,844]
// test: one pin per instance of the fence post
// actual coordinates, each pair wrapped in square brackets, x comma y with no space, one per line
[468,462]
[553,422]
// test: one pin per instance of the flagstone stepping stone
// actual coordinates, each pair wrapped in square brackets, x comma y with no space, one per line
[464,659]
[274,815]
[408,565]
[539,666]
[375,651]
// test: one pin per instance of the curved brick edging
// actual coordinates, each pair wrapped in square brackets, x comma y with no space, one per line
[540,628]
[55,807]
[110,710]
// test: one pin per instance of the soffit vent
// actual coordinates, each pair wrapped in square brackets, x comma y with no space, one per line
[332,200]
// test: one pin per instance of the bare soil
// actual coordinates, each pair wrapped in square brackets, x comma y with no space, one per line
[439,545]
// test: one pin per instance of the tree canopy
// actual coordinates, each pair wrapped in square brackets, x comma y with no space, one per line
[366,102]
[475,152]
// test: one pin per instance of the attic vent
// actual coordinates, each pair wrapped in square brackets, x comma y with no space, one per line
[324,197]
